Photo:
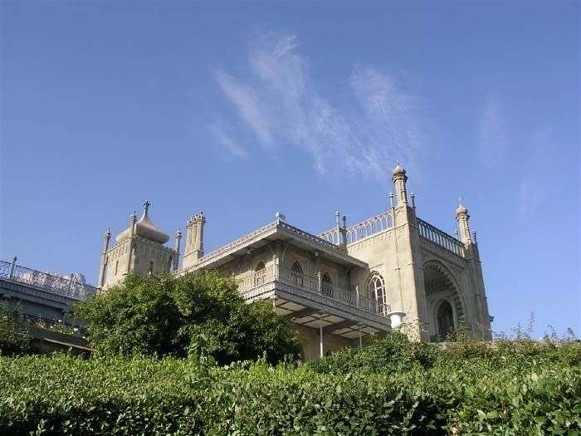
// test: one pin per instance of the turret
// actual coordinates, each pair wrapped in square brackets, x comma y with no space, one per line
[178,237]
[399,180]
[138,250]
[194,240]
[103,266]
[464,229]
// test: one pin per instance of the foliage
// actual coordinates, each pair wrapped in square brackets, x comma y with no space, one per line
[500,392]
[392,353]
[14,338]
[165,315]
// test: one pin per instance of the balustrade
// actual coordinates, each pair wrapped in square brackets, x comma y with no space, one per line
[364,229]
[66,287]
[440,238]
[307,283]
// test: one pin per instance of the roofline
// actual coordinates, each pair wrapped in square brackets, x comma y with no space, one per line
[276,227]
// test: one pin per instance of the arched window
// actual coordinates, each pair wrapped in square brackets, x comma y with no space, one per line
[259,274]
[327,285]
[297,274]
[376,292]
[445,319]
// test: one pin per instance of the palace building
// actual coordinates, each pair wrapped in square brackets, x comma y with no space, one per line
[391,271]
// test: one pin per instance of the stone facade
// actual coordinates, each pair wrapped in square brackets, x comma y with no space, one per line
[393,270]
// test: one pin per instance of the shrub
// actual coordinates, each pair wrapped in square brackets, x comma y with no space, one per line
[502,394]
[14,338]
[163,315]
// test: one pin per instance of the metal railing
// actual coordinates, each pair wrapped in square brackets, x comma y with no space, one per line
[308,284]
[440,238]
[64,286]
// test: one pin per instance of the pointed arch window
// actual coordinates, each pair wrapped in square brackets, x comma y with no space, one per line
[259,274]
[376,293]
[297,275]
[327,285]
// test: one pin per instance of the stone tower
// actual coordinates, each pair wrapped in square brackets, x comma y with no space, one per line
[194,240]
[139,250]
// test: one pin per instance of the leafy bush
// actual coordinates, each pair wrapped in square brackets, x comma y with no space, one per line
[500,394]
[14,338]
[163,315]
[393,353]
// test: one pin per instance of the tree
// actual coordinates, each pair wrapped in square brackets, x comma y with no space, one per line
[14,338]
[166,315]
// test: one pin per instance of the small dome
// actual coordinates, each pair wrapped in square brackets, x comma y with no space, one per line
[398,170]
[461,210]
[145,228]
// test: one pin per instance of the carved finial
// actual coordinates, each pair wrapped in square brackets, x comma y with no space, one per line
[133,218]
[108,232]
[178,233]
[337,218]
[280,217]
[344,221]
[413,200]
[391,199]
[474,237]
[146,205]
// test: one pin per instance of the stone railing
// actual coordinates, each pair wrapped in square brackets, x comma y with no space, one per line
[317,239]
[275,225]
[52,283]
[440,238]
[364,229]
[305,283]
[226,248]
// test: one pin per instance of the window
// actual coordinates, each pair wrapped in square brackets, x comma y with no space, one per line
[116,267]
[327,285]
[259,274]
[297,274]
[169,262]
[376,292]
[151,264]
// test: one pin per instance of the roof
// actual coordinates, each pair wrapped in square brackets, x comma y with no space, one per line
[277,230]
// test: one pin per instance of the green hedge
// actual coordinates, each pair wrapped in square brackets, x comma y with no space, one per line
[499,391]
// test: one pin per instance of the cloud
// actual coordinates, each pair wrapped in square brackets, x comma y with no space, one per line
[537,168]
[245,100]
[493,141]
[374,125]
[227,143]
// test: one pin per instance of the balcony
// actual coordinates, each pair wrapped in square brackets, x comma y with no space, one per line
[311,302]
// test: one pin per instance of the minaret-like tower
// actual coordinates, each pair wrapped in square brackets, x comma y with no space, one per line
[481,325]
[410,297]
[103,265]
[178,239]
[464,229]
[194,240]
[139,250]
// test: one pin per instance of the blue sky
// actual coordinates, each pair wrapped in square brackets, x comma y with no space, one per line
[243,109]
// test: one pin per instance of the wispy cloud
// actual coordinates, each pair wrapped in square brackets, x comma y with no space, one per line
[226,141]
[363,134]
[537,168]
[493,141]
